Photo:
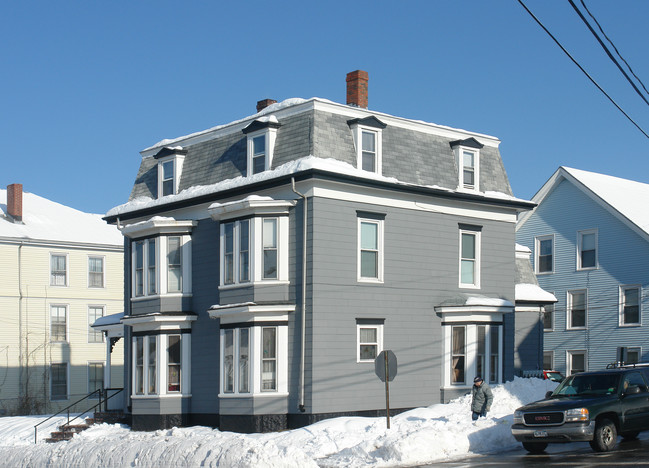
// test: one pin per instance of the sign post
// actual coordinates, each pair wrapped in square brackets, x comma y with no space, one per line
[385,366]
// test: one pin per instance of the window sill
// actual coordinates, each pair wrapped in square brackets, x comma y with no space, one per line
[163,396]
[469,286]
[158,296]
[588,269]
[629,325]
[254,284]
[543,273]
[370,280]
[253,395]
[576,328]
[548,330]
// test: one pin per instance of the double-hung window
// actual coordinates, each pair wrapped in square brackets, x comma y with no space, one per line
[469,263]
[548,360]
[173,363]
[253,241]
[367,134]
[161,265]
[145,267]
[261,135]
[587,249]
[467,157]
[370,247]
[95,272]
[146,364]
[458,354]
[630,301]
[253,359]
[170,164]
[544,249]
[577,361]
[174,264]
[58,323]
[58,270]
[59,381]
[494,355]
[577,309]
[369,339]
[95,313]
[95,377]
[548,317]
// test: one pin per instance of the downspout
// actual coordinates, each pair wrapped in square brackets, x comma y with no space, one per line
[303,312]
[20,321]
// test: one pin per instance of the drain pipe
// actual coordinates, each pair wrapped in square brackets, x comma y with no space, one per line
[20,321]
[303,318]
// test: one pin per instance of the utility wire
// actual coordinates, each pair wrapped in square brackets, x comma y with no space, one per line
[614,48]
[608,52]
[582,69]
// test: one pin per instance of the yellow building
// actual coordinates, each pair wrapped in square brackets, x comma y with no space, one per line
[60,270]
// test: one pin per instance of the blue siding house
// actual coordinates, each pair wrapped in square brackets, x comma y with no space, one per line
[269,260]
[589,236]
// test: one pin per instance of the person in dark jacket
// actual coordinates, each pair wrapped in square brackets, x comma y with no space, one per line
[481,398]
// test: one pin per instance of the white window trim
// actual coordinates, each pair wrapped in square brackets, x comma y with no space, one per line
[471,350]
[178,160]
[379,337]
[256,210]
[67,322]
[270,133]
[162,268]
[477,264]
[67,270]
[569,295]
[255,362]
[380,223]
[162,367]
[103,272]
[554,314]
[569,355]
[459,157]
[537,254]
[103,308]
[357,133]
[67,384]
[103,374]
[623,288]
[580,235]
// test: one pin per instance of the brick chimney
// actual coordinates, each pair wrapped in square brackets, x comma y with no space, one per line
[261,105]
[15,201]
[357,88]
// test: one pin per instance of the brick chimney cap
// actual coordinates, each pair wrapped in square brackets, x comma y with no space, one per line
[357,74]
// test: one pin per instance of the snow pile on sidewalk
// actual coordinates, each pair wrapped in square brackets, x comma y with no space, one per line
[420,436]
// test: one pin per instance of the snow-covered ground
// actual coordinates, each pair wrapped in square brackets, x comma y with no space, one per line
[420,436]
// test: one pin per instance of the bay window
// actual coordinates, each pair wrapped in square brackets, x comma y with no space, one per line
[253,240]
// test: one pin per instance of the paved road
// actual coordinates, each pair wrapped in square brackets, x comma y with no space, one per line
[626,454]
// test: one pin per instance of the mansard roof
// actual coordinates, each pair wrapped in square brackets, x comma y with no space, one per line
[414,153]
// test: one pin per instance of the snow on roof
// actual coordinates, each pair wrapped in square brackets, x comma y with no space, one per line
[291,167]
[45,220]
[533,293]
[628,197]
[487,301]
[113,319]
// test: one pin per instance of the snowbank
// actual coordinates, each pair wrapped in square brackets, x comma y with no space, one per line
[420,436]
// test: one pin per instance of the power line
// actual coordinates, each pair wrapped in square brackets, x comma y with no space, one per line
[581,68]
[606,49]
[614,48]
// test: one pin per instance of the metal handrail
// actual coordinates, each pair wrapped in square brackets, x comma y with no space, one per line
[88,396]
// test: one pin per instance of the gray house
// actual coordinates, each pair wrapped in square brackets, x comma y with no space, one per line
[269,261]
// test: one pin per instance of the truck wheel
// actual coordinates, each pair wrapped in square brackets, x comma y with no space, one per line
[535,447]
[605,436]
[630,435]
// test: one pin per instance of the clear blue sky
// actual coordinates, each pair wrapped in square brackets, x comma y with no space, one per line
[87,85]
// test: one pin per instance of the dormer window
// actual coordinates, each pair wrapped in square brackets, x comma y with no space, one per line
[170,166]
[367,135]
[260,145]
[467,156]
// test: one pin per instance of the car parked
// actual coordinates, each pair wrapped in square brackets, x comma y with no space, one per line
[588,406]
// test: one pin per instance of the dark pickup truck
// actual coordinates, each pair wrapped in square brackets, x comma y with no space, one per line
[589,406]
